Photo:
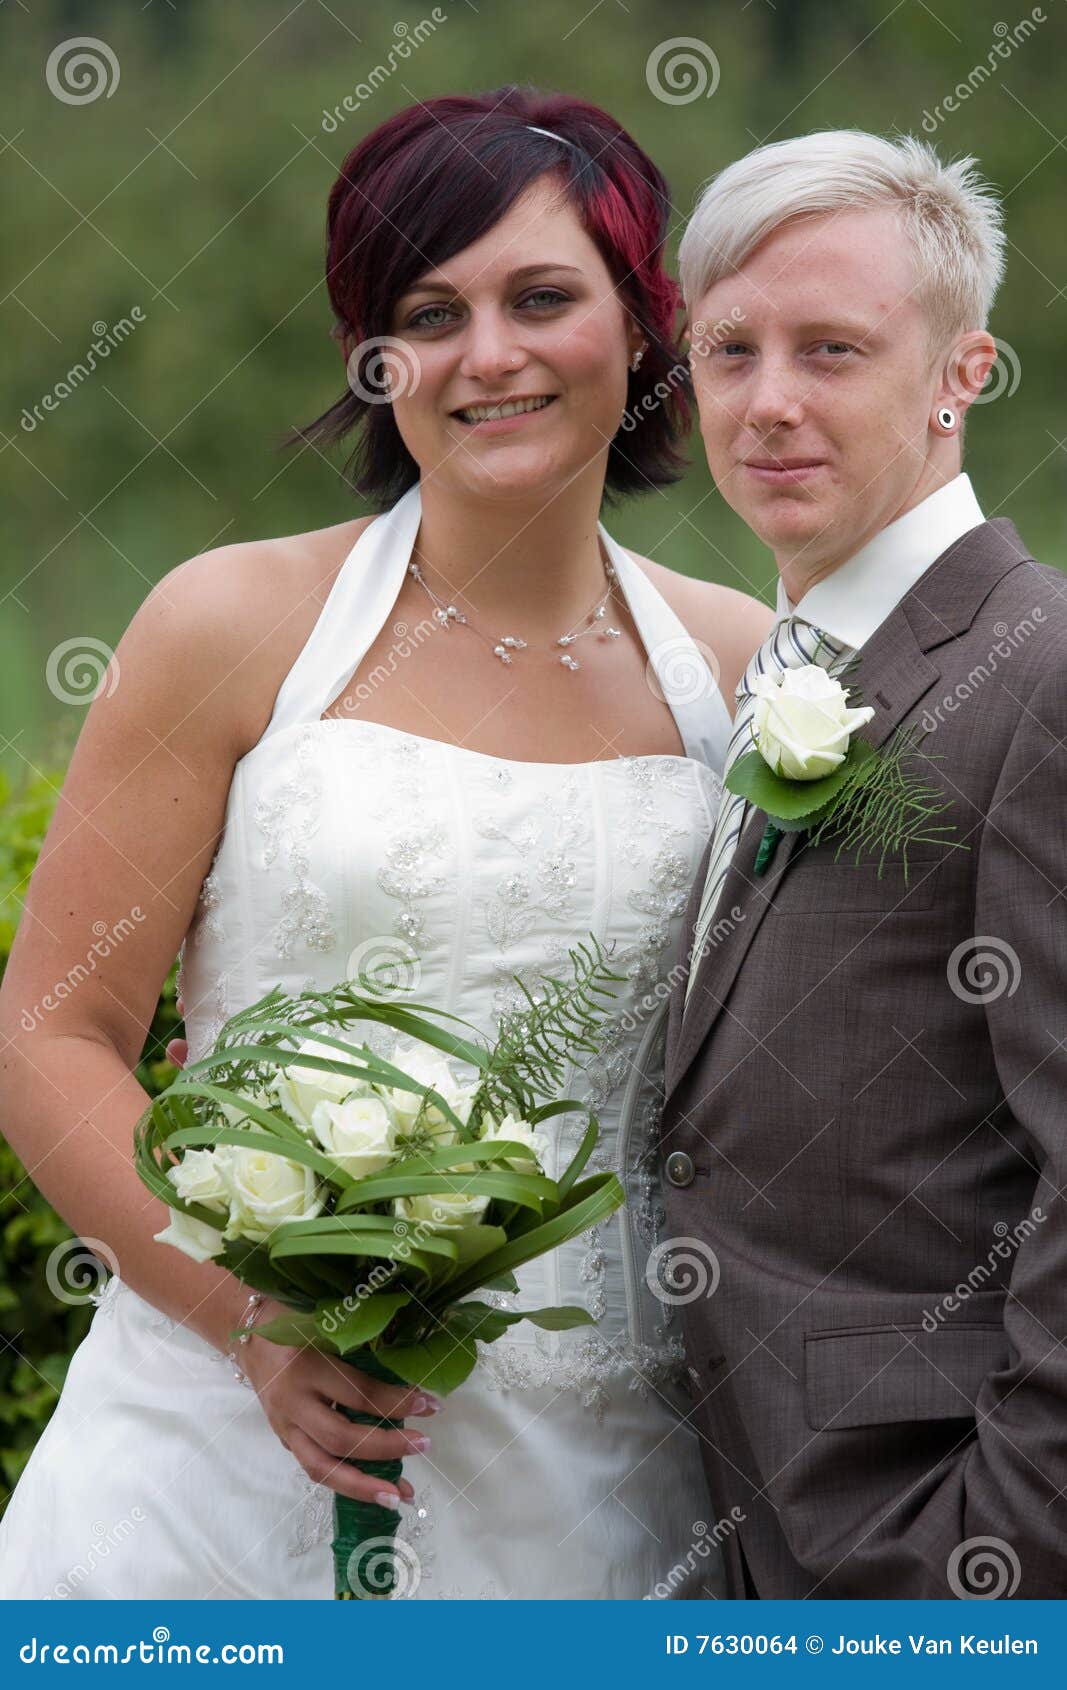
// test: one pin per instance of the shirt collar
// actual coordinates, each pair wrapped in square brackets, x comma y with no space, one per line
[856,599]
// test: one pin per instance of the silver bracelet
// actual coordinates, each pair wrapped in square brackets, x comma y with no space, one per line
[246,1320]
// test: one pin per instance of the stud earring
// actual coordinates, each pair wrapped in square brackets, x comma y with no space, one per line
[946,418]
[635,361]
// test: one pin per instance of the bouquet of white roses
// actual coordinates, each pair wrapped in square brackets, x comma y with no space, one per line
[375,1198]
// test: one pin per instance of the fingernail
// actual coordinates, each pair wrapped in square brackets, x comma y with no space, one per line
[427,1404]
[387,1499]
[420,1441]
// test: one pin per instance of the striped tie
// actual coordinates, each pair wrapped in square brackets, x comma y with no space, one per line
[790,643]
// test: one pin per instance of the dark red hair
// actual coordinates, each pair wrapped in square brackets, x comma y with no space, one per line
[435,177]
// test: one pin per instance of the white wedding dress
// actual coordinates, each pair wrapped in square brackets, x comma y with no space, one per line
[564,1466]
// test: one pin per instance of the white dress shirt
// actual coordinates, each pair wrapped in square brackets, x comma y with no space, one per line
[856,599]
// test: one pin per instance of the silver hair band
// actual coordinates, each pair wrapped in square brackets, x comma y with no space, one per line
[552,137]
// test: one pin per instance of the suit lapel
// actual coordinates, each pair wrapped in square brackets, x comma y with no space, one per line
[892,673]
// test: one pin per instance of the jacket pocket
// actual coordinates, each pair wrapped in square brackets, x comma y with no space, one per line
[816,885]
[879,1374]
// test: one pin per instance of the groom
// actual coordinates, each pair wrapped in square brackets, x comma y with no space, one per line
[865,1129]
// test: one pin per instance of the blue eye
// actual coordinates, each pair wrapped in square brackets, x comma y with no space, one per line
[552,295]
[420,319]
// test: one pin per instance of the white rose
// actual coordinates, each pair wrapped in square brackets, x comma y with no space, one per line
[359,1134]
[194,1238]
[430,1067]
[802,722]
[519,1132]
[267,1190]
[200,1178]
[442,1211]
[299,1089]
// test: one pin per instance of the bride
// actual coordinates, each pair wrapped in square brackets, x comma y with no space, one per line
[464,732]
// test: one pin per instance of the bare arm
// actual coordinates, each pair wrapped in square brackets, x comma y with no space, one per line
[133,836]
[131,839]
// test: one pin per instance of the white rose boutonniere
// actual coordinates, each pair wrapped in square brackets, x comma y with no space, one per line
[811,772]
[803,724]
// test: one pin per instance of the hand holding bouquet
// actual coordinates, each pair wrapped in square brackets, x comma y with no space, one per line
[377,1198]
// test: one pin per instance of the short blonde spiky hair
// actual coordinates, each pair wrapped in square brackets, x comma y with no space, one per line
[950,215]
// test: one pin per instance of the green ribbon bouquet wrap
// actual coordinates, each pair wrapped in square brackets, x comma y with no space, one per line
[372,1267]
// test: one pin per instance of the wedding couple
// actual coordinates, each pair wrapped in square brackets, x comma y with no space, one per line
[473,729]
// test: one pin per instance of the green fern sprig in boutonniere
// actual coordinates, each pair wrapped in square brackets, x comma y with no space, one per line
[809,774]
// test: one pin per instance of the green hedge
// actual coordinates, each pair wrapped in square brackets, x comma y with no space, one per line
[38,1332]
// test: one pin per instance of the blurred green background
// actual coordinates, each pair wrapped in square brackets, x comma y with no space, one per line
[189,199]
[195,191]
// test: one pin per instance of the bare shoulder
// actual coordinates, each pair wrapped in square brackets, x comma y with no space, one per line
[228,624]
[189,691]
[731,624]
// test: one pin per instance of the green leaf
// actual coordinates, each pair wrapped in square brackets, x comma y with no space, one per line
[531,1190]
[440,1362]
[299,1330]
[366,1244]
[890,806]
[252,1264]
[788,802]
[561,1319]
[580,1157]
[487,1324]
[474,1242]
[348,1328]
[591,1201]
[301,1151]
[449,1156]
[480,1320]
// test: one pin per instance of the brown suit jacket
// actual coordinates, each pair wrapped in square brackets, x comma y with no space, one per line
[876,1128]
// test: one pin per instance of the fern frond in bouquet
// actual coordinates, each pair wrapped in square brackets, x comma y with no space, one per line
[377,1198]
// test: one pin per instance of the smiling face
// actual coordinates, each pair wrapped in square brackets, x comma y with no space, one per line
[521,344]
[816,411]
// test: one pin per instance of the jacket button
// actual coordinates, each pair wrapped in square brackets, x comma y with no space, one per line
[679,1167]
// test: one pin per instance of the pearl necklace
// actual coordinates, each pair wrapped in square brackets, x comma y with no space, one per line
[448,615]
